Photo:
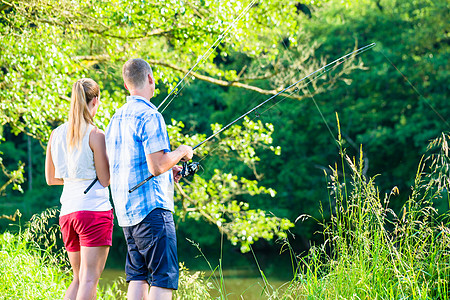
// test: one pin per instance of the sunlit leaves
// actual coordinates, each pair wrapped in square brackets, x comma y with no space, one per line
[35,77]
[217,199]
[14,177]
[50,44]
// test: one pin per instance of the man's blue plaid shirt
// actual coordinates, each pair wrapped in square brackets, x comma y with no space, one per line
[137,129]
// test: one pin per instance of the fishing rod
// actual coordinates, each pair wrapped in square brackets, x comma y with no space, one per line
[191,168]
[205,56]
[200,59]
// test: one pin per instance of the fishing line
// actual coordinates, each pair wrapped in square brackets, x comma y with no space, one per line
[203,57]
[417,91]
[323,117]
[312,97]
[362,49]
[297,89]
[291,61]
[306,85]
[329,66]
[333,66]
[355,52]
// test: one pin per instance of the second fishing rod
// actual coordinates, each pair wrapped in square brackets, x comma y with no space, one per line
[191,168]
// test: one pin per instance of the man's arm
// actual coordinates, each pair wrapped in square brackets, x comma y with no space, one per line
[160,162]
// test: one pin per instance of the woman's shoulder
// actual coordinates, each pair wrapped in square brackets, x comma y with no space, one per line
[61,127]
[59,130]
[96,136]
[97,131]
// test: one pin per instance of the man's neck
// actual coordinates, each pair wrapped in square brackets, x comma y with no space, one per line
[140,93]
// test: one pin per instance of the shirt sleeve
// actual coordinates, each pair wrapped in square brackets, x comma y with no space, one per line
[154,135]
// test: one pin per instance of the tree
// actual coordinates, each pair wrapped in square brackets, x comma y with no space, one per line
[47,43]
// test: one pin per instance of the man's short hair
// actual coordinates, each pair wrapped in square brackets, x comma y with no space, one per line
[135,72]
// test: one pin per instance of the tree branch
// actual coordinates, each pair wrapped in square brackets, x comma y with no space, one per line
[103,32]
[14,177]
[225,83]
[106,57]
[204,214]
[4,6]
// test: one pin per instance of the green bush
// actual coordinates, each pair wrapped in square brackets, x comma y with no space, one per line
[27,270]
[32,266]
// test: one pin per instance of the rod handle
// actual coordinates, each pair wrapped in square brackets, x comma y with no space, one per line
[91,185]
[140,184]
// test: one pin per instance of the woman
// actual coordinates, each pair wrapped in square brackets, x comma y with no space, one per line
[76,154]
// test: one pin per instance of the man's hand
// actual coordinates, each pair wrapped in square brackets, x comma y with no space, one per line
[177,172]
[187,151]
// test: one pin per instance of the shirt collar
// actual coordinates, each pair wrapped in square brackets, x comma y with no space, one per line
[140,98]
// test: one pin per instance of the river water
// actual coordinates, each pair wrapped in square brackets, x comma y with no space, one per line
[239,284]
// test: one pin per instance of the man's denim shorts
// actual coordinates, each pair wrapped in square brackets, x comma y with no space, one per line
[152,250]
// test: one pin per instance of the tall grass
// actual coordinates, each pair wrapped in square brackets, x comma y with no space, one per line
[372,253]
[29,267]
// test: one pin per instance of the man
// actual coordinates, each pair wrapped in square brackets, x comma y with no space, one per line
[138,146]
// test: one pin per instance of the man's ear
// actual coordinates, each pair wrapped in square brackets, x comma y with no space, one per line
[125,85]
[150,79]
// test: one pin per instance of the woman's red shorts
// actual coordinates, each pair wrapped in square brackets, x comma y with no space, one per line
[87,228]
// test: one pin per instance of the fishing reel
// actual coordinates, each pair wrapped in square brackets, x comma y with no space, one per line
[189,168]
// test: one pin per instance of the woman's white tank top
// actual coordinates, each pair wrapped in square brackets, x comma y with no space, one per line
[76,167]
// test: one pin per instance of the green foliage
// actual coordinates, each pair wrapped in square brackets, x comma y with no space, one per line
[12,160]
[379,109]
[13,177]
[36,75]
[18,149]
[364,259]
[25,274]
[215,198]
[43,55]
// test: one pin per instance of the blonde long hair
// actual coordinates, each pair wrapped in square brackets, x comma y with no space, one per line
[83,91]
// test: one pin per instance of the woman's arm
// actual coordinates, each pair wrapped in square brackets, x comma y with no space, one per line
[98,146]
[50,167]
